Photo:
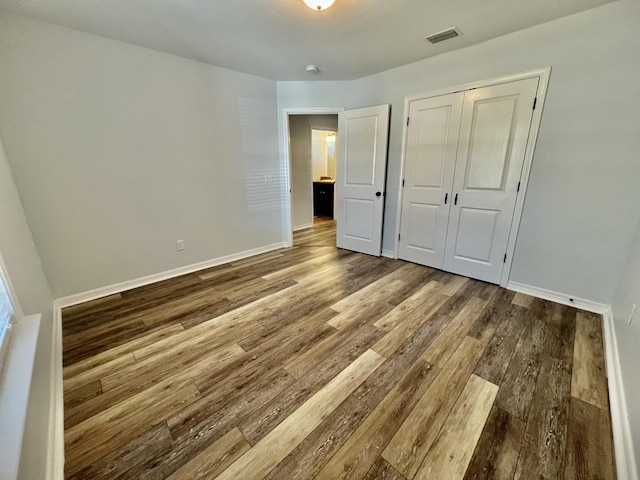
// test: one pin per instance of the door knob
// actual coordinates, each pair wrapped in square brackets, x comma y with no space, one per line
[378,194]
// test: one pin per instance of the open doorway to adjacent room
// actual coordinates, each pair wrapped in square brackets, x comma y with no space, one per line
[312,157]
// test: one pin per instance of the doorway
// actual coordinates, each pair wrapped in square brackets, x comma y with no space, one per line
[312,157]
[359,182]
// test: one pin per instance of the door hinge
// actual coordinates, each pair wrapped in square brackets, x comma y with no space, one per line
[398,236]
[407,121]
[518,189]
[403,182]
[535,100]
[504,260]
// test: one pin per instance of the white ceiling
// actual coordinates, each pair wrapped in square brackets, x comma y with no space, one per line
[278,38]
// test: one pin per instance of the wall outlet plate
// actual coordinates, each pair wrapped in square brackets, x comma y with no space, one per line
[180,245]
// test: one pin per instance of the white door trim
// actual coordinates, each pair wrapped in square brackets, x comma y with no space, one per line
[543,75]
[286,167]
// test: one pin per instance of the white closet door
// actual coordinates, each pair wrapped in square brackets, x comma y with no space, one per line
[362,166]
[432,140]
[493,138]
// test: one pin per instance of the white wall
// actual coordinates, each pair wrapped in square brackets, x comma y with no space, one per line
[628,336]
[301,167]
[118,151]
[30,284]
[581,206]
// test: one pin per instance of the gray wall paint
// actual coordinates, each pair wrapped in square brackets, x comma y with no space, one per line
[30,284]
[628,337]
[118,151]
[301,171]
[581,206]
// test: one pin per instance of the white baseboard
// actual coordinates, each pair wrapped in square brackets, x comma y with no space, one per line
[558,297]
[389,253]
[623,447]
[158,277]
[303,227]
[625,461]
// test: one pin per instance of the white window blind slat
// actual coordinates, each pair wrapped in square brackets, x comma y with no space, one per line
[5,313]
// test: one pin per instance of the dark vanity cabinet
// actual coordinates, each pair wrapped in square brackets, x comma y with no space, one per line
[323,199]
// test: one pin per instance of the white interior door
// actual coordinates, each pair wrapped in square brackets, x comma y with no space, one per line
[432,141]
[362,163]
[493,138]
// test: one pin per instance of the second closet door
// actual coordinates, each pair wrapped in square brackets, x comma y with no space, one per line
[491,148]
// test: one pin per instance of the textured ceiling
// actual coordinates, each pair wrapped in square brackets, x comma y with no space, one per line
[278,38]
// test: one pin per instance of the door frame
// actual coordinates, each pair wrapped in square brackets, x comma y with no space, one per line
[543,75]
[286,142]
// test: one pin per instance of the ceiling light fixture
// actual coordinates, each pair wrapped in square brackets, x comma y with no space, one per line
[319,4]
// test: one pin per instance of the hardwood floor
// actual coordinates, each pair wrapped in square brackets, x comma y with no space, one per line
[314,362]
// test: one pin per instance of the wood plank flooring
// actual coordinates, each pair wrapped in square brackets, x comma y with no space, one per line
[318,363]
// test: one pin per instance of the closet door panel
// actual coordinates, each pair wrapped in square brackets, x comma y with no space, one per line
[489,144]
[423,226]
[476,234]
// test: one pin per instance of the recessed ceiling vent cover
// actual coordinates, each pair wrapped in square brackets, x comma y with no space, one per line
[452,32]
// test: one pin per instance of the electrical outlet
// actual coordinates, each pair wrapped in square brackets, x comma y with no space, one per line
[180,245]
[633,311]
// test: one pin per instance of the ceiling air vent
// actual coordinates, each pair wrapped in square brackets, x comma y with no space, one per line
[452,32]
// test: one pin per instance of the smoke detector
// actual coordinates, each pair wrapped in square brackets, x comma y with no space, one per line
[438,37]
[312,69]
